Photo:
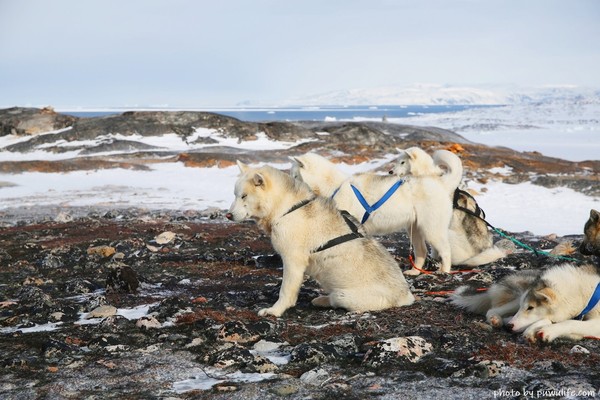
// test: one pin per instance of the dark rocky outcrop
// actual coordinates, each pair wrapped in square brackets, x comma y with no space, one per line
[31,121]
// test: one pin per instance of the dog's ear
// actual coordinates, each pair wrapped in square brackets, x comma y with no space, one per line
[297,161]
[463,201]
[594,216]
[258,180]
[413,153]
[546,295]
[243,167]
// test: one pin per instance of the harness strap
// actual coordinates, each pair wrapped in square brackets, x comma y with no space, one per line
[344,238]
[335,192]
[369,209]
[297,206]
[479,213]
[504,235]
[591,304]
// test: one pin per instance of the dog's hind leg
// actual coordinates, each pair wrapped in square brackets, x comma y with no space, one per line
[440,242]
[497,316]
[365,299]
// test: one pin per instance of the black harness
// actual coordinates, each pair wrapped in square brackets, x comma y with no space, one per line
[478,213]
[355,234]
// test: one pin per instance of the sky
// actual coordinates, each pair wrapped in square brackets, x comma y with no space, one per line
[191,53]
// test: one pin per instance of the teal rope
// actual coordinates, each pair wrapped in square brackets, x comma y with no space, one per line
[527,247]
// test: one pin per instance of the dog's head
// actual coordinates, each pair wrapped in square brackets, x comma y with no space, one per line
[536,304]
[320,174]
[414,161]
[251,194]
[591,240]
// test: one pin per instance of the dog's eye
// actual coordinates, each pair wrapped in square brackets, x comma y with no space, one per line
[402,162]
[244,196]
[529,308]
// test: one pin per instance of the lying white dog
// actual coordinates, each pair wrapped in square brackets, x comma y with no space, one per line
[316,239]
[385,204]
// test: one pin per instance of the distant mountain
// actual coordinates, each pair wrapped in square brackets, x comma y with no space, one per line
[432,94]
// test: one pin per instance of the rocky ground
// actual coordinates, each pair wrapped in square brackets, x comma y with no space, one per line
[159,305]
[109,303]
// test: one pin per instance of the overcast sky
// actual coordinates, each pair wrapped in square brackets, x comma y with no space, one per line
[222,52]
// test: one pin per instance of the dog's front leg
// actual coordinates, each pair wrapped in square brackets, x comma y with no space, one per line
[571,329]
[531,332]
[293,275]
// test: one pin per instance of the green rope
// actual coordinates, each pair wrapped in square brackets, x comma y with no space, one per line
[535,251]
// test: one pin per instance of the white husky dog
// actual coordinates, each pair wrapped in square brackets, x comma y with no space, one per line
[470,239]
[553,307]
[419,205]
[316,239]
[555,304]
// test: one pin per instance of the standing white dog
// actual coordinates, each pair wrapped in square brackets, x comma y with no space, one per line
[316,239]
[385,204]
[470,239]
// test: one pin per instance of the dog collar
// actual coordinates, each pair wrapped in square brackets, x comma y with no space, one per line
[369,209]
[591,304]
[297,206]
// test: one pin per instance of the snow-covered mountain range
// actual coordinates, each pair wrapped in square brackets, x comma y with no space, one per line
[434,94]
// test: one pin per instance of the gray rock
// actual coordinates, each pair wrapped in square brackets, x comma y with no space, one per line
[387,351]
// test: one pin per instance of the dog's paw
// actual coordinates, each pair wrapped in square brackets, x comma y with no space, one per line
[495,321]
[412,272]
[547,334]
[530,335]
[269,311]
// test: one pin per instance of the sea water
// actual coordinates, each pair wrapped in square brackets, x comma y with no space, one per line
[321,113]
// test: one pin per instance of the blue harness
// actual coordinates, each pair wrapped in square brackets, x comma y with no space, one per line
[369,209]
[591,304]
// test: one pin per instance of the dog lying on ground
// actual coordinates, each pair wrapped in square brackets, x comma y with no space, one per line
[471,242]
[500,301]
[316,239]
[558,302]
[420,206]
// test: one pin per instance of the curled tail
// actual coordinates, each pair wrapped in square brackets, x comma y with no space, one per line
[453,166]
[465,297]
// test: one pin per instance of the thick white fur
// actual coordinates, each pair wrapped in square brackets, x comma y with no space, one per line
[466,249]
[421,206]
[358,275]
[547,310]
[542,305]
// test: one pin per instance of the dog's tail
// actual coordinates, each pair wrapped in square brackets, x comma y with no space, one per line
[466,297]
[491,254]
[453,166]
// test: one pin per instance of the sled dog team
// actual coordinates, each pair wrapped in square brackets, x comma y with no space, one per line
[322,221]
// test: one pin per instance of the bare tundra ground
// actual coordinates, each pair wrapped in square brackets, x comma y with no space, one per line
[196,285]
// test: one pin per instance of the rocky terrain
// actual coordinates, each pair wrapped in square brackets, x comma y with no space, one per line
[132,303]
